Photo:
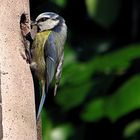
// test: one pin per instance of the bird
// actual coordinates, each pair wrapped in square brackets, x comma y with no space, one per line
[47,51]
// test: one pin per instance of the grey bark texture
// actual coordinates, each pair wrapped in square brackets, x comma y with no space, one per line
[17,106]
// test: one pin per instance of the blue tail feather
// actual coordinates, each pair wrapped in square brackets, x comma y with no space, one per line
[41,105]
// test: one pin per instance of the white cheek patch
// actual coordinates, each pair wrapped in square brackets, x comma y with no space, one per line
[51,23]
[48,24]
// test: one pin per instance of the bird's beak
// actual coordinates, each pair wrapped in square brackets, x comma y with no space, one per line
[33,23]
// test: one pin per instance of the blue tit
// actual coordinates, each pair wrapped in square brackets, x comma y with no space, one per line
[47,51]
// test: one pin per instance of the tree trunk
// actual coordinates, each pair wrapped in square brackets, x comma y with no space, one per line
[17,106]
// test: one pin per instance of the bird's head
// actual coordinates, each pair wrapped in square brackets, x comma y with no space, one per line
[48,20]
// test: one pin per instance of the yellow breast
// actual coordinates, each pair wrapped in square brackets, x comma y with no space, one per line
[38,53]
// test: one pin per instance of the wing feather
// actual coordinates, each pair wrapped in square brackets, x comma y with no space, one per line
[51,57]
[54,58]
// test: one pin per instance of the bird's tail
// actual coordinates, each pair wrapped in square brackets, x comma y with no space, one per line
[41,105]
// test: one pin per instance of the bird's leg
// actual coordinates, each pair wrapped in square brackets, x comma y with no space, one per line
[43,96]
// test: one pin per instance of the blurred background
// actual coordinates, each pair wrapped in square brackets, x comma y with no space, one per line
[99,94]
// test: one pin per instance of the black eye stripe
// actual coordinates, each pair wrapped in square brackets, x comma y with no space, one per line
[42,19]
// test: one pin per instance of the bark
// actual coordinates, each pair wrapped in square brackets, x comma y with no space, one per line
[17,106]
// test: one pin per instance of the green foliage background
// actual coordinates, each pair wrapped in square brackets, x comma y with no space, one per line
[99,94]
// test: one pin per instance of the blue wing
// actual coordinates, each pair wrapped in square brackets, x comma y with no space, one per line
[54,58]
[51,58]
